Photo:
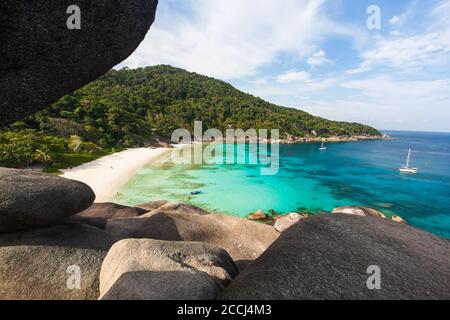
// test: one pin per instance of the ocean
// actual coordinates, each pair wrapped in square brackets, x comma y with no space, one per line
[349,173]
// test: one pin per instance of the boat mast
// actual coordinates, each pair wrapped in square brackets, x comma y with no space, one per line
[409,157]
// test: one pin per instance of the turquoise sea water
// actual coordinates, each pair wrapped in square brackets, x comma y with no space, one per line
[351,173]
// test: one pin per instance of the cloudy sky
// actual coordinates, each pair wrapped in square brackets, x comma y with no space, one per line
[316,55]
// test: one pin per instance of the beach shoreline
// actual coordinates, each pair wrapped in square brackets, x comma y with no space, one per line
[107,175]
[110,173]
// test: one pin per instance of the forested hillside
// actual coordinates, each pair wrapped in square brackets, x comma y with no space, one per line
[128,108]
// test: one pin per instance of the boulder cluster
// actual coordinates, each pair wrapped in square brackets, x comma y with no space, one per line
[55,243]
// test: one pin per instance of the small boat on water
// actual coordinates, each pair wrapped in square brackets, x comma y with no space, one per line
[323,148]
[196,193]
[407,168]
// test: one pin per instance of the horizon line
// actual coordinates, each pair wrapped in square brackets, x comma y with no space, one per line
[419,131]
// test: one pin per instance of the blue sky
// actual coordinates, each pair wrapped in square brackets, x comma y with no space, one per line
[316,55]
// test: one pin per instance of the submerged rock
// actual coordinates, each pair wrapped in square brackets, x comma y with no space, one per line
[244,240]
[331,257]
[31,199]
[257,216]
[158,270]
[41,59]
[359,211]
[384,205]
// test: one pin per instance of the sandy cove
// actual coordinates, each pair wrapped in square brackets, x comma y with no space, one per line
[108,174]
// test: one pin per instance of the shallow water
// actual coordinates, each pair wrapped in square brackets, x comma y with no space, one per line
[353,173]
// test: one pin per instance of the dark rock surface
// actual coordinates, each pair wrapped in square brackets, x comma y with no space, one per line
[70,235]
[155,270]
[31,199]
[98,214]
[327,257]
[244,240]
[41,59]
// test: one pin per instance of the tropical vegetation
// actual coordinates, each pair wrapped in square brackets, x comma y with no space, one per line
[139,107]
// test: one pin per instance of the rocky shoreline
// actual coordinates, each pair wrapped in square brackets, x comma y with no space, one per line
[334,139]
[282,222]
[310,139]
[55,243]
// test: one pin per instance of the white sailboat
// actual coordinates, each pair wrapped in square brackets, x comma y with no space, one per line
[323,148]
[406,168]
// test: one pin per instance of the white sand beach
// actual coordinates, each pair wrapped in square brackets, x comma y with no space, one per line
[108,174]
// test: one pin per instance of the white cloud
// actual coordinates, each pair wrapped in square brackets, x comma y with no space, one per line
[361,69]
[428,48]
[406,16]
[441,13]
[318,58]
[290,93]
[408,53]
[404,93]
[293,76]
[401,79]
[394,20]
[260,81]
[388,103]
[231,39]
[395,33]
[320,85]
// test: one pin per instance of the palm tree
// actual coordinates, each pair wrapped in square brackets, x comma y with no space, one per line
[42,156]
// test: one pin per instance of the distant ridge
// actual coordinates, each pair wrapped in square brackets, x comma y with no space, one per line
[142,107]
[131,106]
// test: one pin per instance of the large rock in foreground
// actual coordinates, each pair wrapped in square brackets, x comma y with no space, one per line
[30,199]
[43,264]
[42,273]
[39,264]
[328,257]
[157,270]
[41,59]
[244,240]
